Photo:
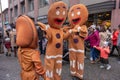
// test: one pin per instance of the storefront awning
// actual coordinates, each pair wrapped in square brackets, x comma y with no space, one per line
[42,19]
[101,7]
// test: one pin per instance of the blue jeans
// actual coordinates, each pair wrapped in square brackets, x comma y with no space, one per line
[93,54]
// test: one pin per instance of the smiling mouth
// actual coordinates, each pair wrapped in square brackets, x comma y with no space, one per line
[75,21]
[58,21]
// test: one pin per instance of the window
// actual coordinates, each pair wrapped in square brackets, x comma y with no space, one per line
[10,1]
[22,7]
[16,10]
[56,0]
[43,2]
[11,14]
[31,5]
[46,2]
[119,4]
[6,17]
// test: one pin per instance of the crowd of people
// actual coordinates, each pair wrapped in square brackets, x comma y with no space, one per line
[9,40]
[102,44]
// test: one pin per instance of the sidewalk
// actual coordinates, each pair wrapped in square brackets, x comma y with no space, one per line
[10,69]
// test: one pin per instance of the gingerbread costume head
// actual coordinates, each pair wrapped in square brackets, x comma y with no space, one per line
[26,32]
[78,14]
[57,14]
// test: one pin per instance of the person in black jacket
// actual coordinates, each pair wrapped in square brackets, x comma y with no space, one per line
[40,36]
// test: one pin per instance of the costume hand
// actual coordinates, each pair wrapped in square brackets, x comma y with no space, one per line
[41,25]
[77,27]
[74,30]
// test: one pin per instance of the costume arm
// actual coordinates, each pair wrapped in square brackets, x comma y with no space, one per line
[38,64]
[45,28]
[67,32]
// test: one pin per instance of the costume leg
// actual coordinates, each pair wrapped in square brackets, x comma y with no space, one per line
[58,68]
[49,66]
[72,57]
[79,65]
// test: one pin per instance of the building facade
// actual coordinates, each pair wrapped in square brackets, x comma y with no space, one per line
[4,18]
[34,8]
[99,10]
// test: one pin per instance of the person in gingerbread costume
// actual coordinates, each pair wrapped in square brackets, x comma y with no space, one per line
[54,33]
[28,55]
[77,16]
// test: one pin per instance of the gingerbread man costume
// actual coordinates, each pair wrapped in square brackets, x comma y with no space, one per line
[28,56]
[54,33]
[77,16]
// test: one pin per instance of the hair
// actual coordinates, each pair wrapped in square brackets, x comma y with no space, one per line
[119,26]
[102,29]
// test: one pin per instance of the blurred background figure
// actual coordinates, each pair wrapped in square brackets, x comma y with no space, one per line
[103,36]
[114,41]
[94,40]
[44,43]
[7,43]
[13,41]
[118,43]
[104,52]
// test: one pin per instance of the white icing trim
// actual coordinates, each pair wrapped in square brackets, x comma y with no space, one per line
[74,50]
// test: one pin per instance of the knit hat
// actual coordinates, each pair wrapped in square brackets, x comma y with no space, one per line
[105,43]
[93,26]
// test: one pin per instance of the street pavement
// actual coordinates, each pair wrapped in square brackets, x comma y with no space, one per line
[10,69]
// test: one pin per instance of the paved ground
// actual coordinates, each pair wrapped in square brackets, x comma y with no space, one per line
[9,69]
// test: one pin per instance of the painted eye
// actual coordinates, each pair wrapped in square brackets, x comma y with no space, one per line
[57,12]
[72,14]
[63,12]
[78,13]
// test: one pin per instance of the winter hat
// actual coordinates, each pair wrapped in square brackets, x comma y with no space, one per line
[105,43]
[93,26]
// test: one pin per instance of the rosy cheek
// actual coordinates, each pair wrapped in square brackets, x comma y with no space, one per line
[78,13]
[57,13]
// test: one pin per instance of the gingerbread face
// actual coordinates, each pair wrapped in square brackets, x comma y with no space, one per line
[57,14]
[78,14]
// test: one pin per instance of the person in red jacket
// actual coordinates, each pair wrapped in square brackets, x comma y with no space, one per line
[114,41]
[104,52]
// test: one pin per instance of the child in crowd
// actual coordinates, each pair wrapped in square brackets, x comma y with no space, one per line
[104,52]
[7,46]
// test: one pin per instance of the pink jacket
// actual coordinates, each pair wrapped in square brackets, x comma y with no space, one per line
[104,51]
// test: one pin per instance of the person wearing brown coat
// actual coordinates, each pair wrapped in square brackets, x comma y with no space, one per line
[28,55]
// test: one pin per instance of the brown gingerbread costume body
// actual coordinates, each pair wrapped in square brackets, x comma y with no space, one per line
[54,33]
[77,16]
[29,57]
